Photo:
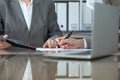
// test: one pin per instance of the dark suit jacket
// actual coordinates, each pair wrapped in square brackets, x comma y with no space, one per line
[43,26]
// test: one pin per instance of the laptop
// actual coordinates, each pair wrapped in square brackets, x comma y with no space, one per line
[104,38]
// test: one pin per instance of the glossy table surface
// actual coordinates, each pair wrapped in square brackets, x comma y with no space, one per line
[25,64]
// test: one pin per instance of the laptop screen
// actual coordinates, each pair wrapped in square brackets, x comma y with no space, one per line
[105,29]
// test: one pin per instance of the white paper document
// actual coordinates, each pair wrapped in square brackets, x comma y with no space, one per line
[49,49]
[60,50]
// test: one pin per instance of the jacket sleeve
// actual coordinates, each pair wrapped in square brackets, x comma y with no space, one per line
[1,24]
[54,30]
[88,41]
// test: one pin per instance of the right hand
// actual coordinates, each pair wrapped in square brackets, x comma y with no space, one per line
[3,44]
[70,43]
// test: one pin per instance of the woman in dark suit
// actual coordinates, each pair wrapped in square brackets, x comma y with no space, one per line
[30,21]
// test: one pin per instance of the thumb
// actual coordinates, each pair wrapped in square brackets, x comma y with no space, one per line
[5,36]
[45,45]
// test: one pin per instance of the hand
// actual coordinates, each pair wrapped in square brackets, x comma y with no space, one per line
[50,44]
[70,43]
[3,44]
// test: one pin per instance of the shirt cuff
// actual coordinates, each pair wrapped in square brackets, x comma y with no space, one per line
[85,43]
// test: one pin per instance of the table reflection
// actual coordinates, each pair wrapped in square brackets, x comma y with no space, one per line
[14,68]
[38,67]
[102,69]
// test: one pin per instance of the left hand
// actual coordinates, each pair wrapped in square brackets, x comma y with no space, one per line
[4,44]
[50,44]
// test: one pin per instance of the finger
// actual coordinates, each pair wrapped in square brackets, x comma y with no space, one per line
[63,42]
[45,45]
[61,46]
[66,46]
[49,43]
[57,40]
[5,36]
[52,43]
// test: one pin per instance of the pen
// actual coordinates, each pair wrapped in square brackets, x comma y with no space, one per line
[69,34]
[57,45]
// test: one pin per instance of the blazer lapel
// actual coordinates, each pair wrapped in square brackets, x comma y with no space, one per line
[35,12]
[17,11]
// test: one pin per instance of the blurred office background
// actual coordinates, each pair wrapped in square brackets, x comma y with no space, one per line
[77,15]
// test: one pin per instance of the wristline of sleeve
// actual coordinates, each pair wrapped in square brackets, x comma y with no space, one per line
[85,42]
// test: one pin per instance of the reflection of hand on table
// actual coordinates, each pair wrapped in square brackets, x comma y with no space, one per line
[4,54]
